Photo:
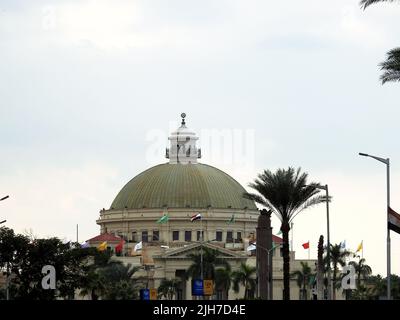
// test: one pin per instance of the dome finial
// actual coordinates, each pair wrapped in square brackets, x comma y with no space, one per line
[183,115]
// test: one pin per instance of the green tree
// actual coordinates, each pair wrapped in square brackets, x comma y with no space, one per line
[362,270]
[245,276]
[119,283]
[286,193]
[223,280]
[303,278]
[211,260]
[337,259]
[168,288]
[390,67]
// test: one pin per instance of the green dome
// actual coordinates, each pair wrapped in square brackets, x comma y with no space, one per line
[181,186]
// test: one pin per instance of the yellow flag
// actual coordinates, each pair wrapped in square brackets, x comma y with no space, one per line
[360,247]
[102,246]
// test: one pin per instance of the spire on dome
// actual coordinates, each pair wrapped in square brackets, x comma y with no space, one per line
[183,148]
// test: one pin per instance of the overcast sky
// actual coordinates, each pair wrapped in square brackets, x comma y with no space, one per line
[85,86]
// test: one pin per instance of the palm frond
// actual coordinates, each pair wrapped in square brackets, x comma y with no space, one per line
[391,67]
[366,3]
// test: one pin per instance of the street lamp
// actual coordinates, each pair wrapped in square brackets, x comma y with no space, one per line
[269,295]
[387,162]
[328,250]
[7,280]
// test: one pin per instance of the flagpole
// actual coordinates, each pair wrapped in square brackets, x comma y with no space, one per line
[77,233]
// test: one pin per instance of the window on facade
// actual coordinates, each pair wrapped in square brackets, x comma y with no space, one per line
[134,236]
[239,237]
[229,236]
[199,235]
[175,235]
[218,236]
[145,236]
[188,236]
[156,235]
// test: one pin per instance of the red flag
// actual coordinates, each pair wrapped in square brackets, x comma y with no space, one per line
[306,245]
[118,247]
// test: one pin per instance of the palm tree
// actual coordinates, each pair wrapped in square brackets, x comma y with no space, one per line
[210,262]
[390,67]
[245,277]
[303,278]
[362,270]
[93,283]
[119,284]
[337,258]
[223,280]
[286,193]
[168,288]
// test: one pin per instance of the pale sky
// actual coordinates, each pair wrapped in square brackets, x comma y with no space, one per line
[85,84]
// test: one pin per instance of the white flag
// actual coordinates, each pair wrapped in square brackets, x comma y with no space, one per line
[138,246]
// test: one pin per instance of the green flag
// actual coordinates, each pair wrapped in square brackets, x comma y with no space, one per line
[280,232]
[231,220]
[163,219]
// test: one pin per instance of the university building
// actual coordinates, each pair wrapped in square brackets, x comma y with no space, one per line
[177,190]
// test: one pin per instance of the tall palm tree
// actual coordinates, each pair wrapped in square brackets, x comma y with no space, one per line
[286,193]
[337,258]
[362,270]
[223,280]
[245,276]
[390,67]
[168,288]
[303,278]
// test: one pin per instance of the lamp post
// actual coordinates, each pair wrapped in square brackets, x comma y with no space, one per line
[269,271]
[7,279]
[328,249]
[387,162]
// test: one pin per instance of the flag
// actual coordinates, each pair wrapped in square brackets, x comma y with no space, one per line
[306,245]
[85,245]
[102,246]
[394,220]
[138,246]
[195,217]
[279,233]
[231,220]
[163,219]
[251,247]
[360,246]
[343,245]
[119,246]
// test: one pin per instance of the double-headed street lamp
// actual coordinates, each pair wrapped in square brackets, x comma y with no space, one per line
[270,274]
[387,162]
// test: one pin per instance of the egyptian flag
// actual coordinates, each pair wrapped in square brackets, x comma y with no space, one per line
[196,217]
[394,220]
